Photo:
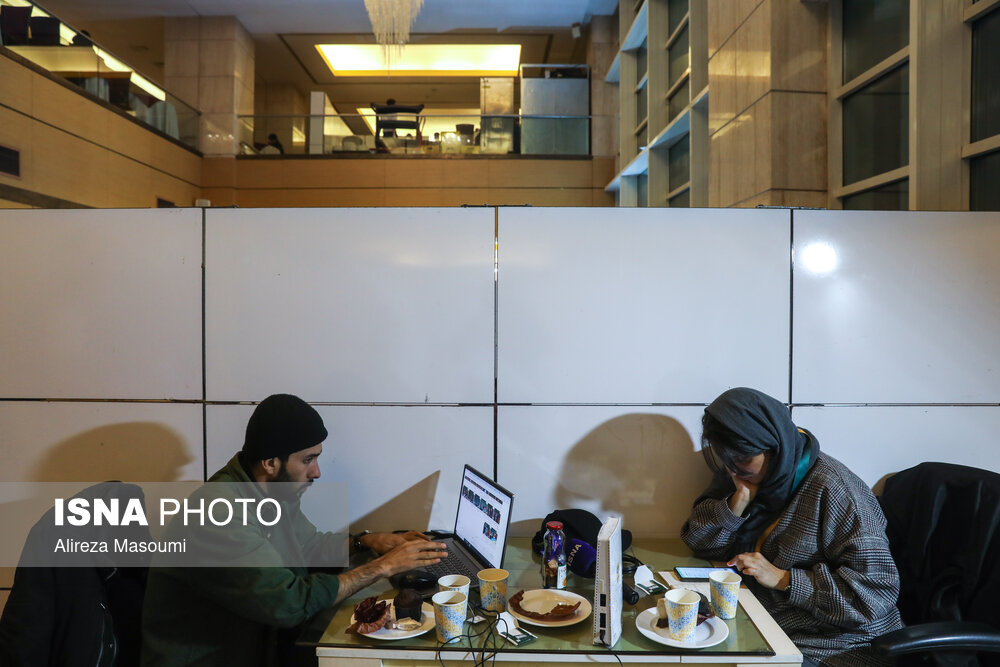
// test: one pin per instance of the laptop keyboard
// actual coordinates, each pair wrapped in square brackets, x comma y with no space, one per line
[453,565]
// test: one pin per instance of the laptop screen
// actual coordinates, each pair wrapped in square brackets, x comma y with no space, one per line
[483,517]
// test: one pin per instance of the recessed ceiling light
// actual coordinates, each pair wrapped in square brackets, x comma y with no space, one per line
[423,60]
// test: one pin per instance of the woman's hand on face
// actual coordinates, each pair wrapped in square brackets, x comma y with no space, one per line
[761,569]
[744,494]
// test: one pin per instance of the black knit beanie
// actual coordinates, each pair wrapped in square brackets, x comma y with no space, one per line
[281,425]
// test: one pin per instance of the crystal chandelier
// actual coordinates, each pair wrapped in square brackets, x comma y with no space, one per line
[391,21]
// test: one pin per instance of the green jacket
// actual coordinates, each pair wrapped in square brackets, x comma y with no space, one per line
[231,616]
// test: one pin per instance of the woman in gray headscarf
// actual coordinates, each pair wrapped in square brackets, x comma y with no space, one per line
[806,532]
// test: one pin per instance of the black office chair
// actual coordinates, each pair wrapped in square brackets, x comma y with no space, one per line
[389,118]
[14,25]
[44,31]
[944,533]
[85,615]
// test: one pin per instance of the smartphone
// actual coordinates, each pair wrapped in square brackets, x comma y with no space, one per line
[699,573]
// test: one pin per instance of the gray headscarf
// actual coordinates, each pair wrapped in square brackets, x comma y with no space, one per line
[765,424]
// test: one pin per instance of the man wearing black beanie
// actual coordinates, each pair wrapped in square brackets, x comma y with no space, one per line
[232,616]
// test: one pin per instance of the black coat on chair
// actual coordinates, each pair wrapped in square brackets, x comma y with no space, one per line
[73,616]
[944,533]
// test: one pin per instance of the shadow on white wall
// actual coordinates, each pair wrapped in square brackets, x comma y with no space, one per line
[127,452]
[640,466]
[410,509]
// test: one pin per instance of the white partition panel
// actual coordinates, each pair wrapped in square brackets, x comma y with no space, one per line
[896,307]
[95,441]
[641,463]
[641,306]
[350,305]
[100,304]
[874,441]
[403,464]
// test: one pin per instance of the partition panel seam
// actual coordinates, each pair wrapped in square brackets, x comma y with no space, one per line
[496,333]
[204,367]
[791,298]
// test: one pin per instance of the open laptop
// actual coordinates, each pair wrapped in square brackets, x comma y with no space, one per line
[481,525]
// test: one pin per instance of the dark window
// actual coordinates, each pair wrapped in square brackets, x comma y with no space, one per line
[678,57]
[984,172]
[641,102]
[640,62]
[893,196]
[10,161]
[873,31]
[676,10]
[986,76]
[642,190]
[683,200]
[679,163]
[679,100]
[876,127]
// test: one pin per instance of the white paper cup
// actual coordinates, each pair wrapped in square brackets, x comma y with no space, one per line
[455,582]
[725,593]
[682,612]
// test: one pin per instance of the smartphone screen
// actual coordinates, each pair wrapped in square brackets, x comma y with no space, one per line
[699,573]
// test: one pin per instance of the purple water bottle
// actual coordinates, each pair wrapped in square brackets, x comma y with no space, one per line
[554,556]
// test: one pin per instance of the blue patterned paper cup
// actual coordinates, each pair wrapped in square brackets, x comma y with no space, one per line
[725,593]
[493,588]
[449,614]
[682,612]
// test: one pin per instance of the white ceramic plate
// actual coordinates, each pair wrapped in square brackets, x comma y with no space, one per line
[542,600]
[709,633]
[426,623]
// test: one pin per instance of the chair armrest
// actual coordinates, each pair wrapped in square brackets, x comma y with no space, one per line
[946,636]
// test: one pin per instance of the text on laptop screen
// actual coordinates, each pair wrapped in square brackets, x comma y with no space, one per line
[483,517]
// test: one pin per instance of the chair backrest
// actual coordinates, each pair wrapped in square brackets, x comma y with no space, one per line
[74,615]
[14,24]
[410,109]
[944,533]
[396,117]
[44,31]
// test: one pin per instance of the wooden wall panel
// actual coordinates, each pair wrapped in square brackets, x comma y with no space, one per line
[86,154]
[402,182]
[77,150]
[218,172]
[540,173]
[437,173]
[437,196]
[16,89]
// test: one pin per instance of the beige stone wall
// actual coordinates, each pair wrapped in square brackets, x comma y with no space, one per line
[209,63]
[768,109]
[601,50]
[278,99]
[83,153]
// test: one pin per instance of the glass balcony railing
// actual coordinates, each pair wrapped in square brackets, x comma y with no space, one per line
[344,134]
[45,40]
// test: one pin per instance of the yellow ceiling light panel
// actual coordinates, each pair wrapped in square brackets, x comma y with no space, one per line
[423,60]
